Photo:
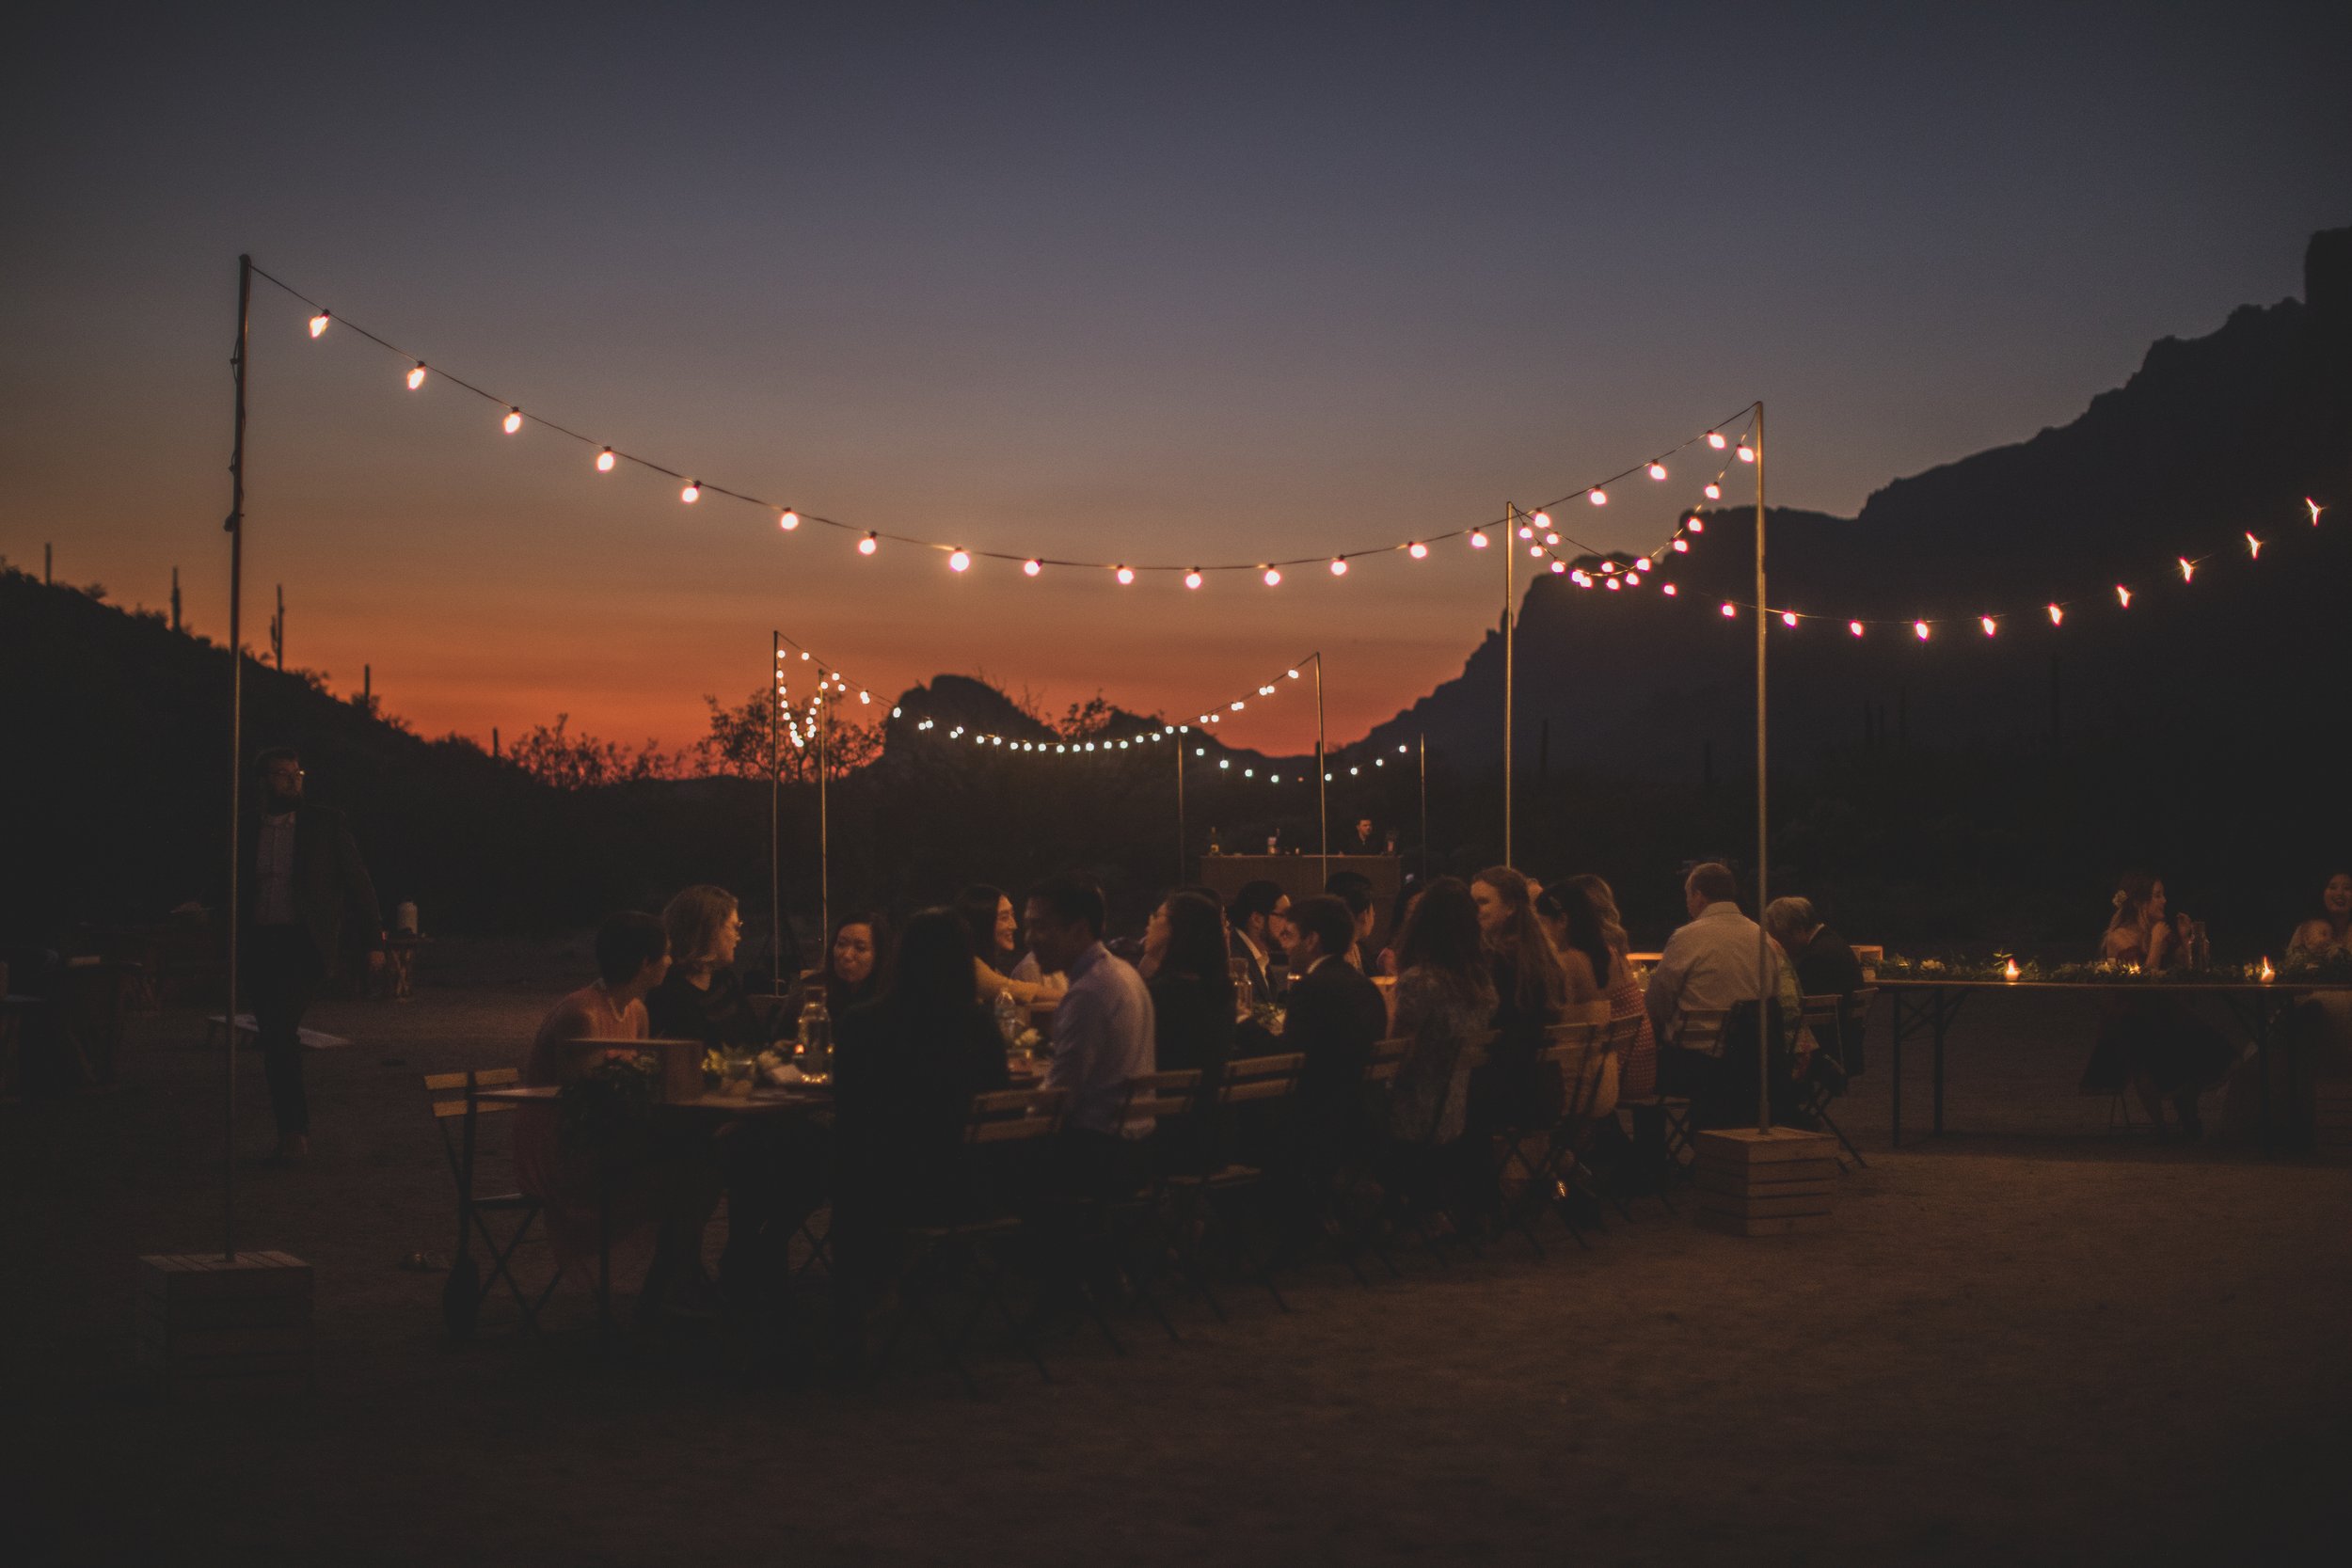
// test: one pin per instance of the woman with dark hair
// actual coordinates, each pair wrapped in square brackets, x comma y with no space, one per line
[1002,969]
[853,975]
[1192,1014]
[2153,1044]
[1531,992]
[1639,1070]
[702,997]
[905,1070]
[1444,999]
[1573,926]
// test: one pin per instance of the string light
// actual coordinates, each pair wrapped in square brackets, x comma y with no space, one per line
[1273,578]
[2057,615]
[1658,471]
[2123,595]
[959,561]
[787,519]
[1478,539]
[1854,626]
[1558,566]
[1714,492]
[416,377]
[1696,525]
[1789,619]
[1192,579]
[1747,452]
[2316,510]
[1598,496]
[868,545]
[1031,567]
[1338,565]
[514,421]
[1669,589]
[1682,546]
[1125,575]
[2253,547]
[691,493]
[2189,569]
[1417,550]
[1987,623]
[1714,438]
[1642,563]
[318,323]
[1919,630]
[1729,610]
[604,460]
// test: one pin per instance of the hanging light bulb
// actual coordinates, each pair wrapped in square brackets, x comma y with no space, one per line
[1714,492]
[1552,540]
[2253,547]
[1558,566]
[1611,584]
[1527,530]
[1417,550]
[1289,674]
[604,460]
[1694,524]
[1541,520]
[2316,510]
[864,697]
[1855,628]
[1598,496]
[1192,579]
[1989,625]
[1237,705]
[2057,615]
[868,545]
[1669,589]
[1273,578]
[1730,610]
[691,493]
[416,377]
[514,421]
[1478,538]
[1125,575]
[1747,452]
[2188,568]
[787,519]
[1682,546]
[318,323]
[1031,567]
[1658,471]
[1536,550]
[1642,563]
[1607,567]
[1338,565]
[1788,618]
[2123,595]
[959,561]
[1714,438]
[1919,630]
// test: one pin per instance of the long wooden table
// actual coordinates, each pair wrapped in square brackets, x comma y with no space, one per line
[1928,1006]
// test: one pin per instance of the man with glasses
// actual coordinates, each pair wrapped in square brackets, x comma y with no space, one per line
[302,876]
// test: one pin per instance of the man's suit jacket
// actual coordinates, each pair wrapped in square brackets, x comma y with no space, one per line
[1260,988]
[330,882]
[1335,1015]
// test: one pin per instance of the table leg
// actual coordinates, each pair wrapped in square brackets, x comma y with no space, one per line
[1941,1019]
[2261,1070]
[1895,1136]
[604,1257]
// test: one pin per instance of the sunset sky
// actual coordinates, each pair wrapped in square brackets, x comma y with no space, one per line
[1161,284]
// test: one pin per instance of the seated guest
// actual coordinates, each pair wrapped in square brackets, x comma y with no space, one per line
[669,1186]
[905,1071]
[1530,995]
[1825,965]
[1708,963]
[2154,1044]
[774,1168]
[1103,1037]
[1639,1069]
[2325,1020]
[1445,998]
[1257,915]
[1407,895]
[1335,1016]
[2328,932]
[852,973]
[988,915]
[1192,1005]
[1354,888]
[1572,922]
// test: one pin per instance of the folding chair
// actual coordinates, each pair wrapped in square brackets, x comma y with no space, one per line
[1360,1215]
[1211,1204]
[1832,1020]
[1578,1053]
[1004,1122]
[1113,1232]
[1701,1031]
[460,1121]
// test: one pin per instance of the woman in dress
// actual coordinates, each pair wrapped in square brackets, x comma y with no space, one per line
[2154,1044]
[1531,988]
[1445,998]
[668,1184]
[1639,1069]
[1572,921]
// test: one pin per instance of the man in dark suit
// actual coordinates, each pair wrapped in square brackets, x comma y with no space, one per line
[300,876]
[1334,1016]
[1259,917]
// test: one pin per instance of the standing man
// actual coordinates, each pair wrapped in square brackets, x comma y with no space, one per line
[302,874]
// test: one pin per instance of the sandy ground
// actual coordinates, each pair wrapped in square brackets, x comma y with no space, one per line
[2059,1347]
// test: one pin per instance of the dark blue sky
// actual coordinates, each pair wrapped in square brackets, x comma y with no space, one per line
[1118,282]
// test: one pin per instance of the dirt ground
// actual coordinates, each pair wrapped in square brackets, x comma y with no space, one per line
[2025,1342]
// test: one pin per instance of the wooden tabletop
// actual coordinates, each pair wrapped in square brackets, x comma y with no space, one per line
[1929,982]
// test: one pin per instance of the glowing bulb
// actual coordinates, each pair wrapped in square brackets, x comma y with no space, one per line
[787,519]
[2123,595]
[1988,624]
[1125,575]
[1669,589]
[2188,568]
[1919,630]
[1714,492]
[604,460]
[1478,539]
[1788,618]
[2316,510]
[1192,579]
[1552,540]
[318,323]
[1338,565]
[691,493]
[1273,578]
[1558,566]
[1536,550]
[416,377]
[1695,525]
[1237,705]
[1598,496]
[868,545]
[864,697]
[2253,547]
[1854,626]
[1730,610]
[959,561]
[1607,567]
[514,421]
[1642,563]
[2057,615]
[1031,567]
[1715,440]
[1417,551]
[1682,546]
[1289,674]
[1527,531]
[1747,452]
[1541,520]
[1658,471]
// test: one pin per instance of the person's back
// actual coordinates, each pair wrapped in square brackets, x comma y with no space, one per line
[904,1076]
[1708,963]
[1335,1016]
[1191,1029]
[1827,966]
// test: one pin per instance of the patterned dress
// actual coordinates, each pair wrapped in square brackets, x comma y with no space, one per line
[1638,1079]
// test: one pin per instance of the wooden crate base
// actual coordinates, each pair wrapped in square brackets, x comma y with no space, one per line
[1746,1147]
[209,1326]
[1783,1225]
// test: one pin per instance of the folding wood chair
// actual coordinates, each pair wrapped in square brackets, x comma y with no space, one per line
[1578,1053]
[1831,1020]
[459,1120]
[1116,1231]
[1700,1031]
[1211,1205]
[1367,1195]
[999,1123]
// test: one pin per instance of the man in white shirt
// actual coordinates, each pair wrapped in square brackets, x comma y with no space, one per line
[1710,962]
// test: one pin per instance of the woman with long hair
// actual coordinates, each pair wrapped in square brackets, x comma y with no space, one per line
[1445,997]
[2329,932]
[854,972]
[2153,1044]
[1530,995]
[997,962]
[1192,1014]
[1638,1071]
